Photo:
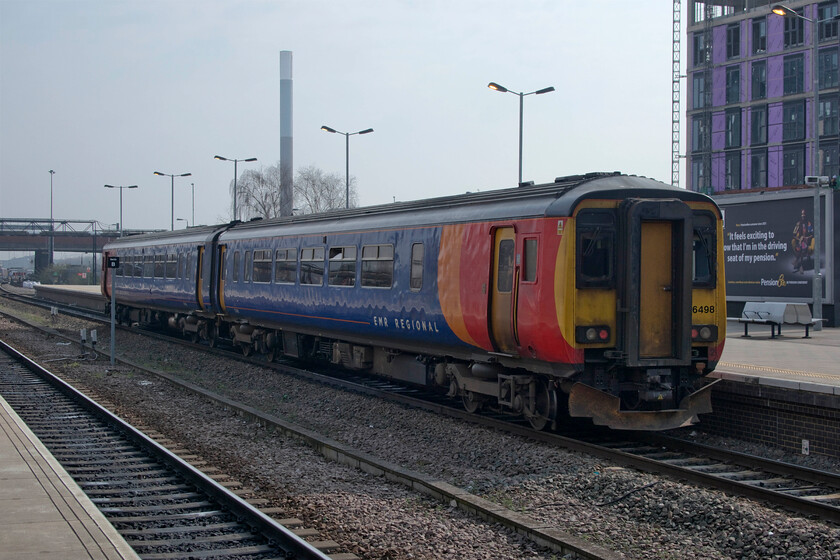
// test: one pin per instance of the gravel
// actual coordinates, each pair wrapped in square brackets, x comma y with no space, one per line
[641,515]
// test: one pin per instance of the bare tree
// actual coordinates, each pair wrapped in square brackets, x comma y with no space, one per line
[316,191]
[258,193]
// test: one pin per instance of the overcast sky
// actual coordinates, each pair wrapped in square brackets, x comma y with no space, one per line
[109,91]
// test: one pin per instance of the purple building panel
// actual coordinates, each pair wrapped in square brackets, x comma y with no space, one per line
[775,33]
[719,42]
[774,123]
[718,169]
[718,86]
[775,76]
[718,130]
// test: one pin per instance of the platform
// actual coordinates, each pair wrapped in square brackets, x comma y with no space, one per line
[43,513]
[788,361]
[84,296]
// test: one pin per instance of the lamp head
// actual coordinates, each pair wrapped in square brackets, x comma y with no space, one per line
[545,90]
[366,131]
[781,10]
[159,173]
[328,129]
[497,87]
[220,158]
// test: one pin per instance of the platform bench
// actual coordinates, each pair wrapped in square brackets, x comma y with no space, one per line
[777,314]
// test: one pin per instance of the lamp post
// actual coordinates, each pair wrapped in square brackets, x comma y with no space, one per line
[172,176]
[192,185]
[183,220]
[52,226]
[121,190]
[503,89]
[784,11]
[347,136]
[235,162]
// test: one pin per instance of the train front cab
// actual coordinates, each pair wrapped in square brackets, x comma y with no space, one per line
[649,310]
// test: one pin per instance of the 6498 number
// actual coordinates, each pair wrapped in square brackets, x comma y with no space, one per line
[703,309]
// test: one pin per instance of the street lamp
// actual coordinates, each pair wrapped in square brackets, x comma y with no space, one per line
[171,176]
[52,226]
[183,220]
[347,136]
[193,203]
[121,190]
[784,11]
[503,89]
[235,162]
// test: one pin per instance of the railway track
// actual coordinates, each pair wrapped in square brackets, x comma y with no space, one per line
[163,507]
[797,488]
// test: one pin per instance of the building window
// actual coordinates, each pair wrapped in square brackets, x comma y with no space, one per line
[829,124]
[794,73]
[342,266]
[312,266]
[732,174]
[828,68]
[793,121]
[285,266]
[699,136]
[699,49]
[733,84]
[699,175]
[758,125]
[733,40]
[830,159]
[417,253]
[794,30]
[759,79]
[793,165]
[759,36]
[698,82]
[378,266]
[262,266]
[825,15]
[758,169]
[733,128]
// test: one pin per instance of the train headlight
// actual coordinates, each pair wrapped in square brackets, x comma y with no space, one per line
[592,335]
[703,333]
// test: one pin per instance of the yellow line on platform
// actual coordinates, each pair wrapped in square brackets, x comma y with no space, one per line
[777,370]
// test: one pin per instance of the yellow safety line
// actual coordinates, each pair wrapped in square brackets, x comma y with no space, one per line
[777,370]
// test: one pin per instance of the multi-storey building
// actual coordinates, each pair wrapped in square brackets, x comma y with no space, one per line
[751,103]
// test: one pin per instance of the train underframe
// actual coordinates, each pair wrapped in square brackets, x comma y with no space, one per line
[621,398]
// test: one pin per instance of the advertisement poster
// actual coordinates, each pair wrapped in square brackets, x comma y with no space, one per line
[768,246]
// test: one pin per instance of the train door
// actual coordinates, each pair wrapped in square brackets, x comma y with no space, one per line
[199,278]
[221,261]
[503,284]
[657,326]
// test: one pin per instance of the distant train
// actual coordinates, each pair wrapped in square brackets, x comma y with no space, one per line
[598,296]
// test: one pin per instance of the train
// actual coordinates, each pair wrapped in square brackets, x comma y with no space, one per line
[596,296]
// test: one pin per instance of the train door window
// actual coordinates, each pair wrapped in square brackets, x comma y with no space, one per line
[285,266]
[160,264]
[119,270]
[262,266]
[171,266]
[595,249]
[342,266]
[378,266]
[247,276]
[236,261]
[504,278]
[416,278]
[704,252]
[312,266]
[529,267]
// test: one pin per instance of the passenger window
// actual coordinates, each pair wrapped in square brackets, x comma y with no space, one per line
[529,269]
[378,266]
[504,276]
[236,261]
[285,266]
[312,266]
[595,249]
[342,266]
[160,265]
[704,253]
[148,266]
[262,266]
[171,270]
[247,266]
[416,280]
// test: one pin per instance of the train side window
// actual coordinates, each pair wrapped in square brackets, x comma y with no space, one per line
[704,253]
[247,276]
[342,266]
[285,266]
[148,266]
[119,270]
[160,265]
[529,268]
[416,279]
[312,266]
[504,278]
[262,266]
[236,260]
[595,249]
[378,266]
[171,270]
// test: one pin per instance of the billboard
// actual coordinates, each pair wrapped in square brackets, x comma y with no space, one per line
[768,247]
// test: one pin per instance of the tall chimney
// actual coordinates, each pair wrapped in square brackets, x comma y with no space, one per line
[286,159]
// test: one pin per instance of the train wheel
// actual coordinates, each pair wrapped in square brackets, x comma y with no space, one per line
[472,402]
[212,335]
[545,406]
[247,349]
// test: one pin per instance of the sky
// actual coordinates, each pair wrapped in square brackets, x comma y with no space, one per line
[109,91]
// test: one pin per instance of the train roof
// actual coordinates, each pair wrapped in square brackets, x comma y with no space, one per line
[556,199]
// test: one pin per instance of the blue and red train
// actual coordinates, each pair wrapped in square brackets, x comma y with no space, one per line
[598,296]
